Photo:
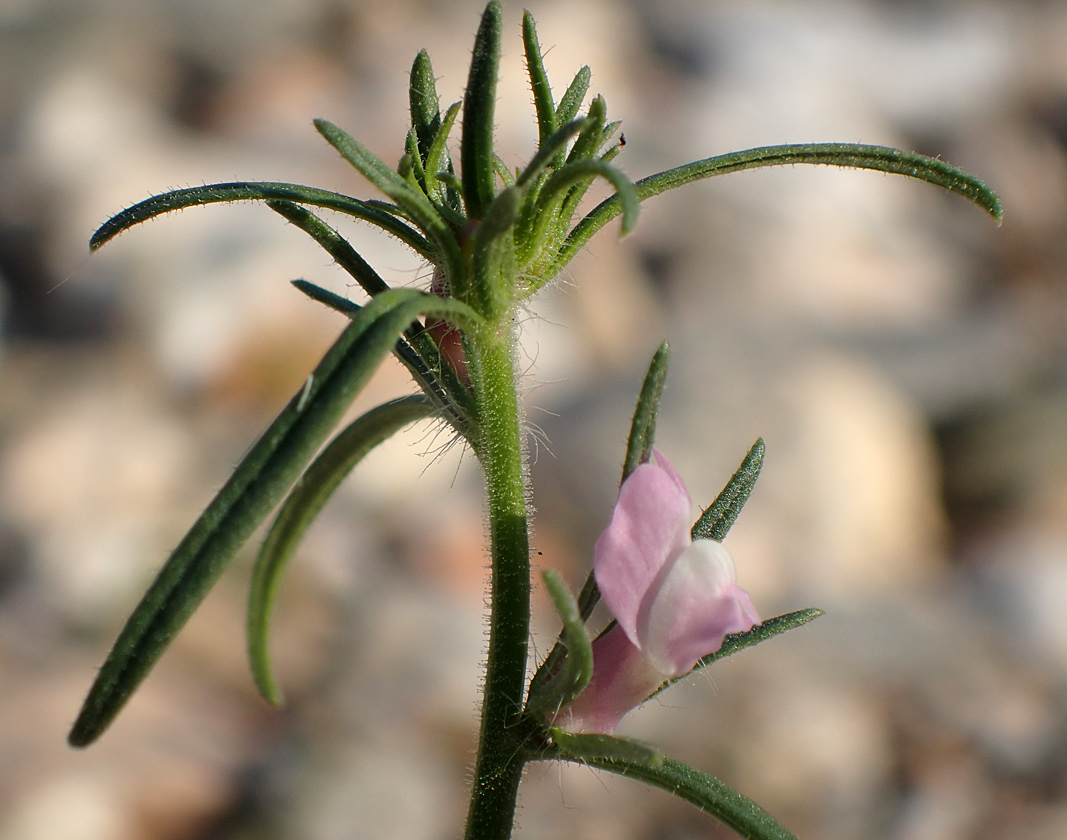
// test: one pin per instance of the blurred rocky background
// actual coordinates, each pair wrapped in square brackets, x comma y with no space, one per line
[904,359]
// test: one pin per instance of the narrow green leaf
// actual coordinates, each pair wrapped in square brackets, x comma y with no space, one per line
[256,486]
[539,85]
[878,158]
[303,505]
[590,138]
[643,426]
[424,103]
[549,149]
[725,804]
[761,633]
[573,97]
[556,684]
[715,522]
[370,211]
[417,352]
[577,171]
[479,104]
[410,165]
[739,641]
[437,160]
[587,747]
[368,164]
[576,193]
[334,244]
[414,203]
[506,176]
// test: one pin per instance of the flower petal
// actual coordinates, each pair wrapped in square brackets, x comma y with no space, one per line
[649,525]
[697,604]
[622,679]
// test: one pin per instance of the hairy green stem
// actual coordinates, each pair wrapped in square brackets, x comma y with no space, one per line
[498,767]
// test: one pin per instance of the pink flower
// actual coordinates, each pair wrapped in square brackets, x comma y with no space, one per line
[674,599]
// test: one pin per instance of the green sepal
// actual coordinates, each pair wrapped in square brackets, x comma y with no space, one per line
[479,104]
[715,522]
[555,687]
[256,486]
[375,212]
[588,747]
[725,804]
[878,158]
[539,84]
[300,509]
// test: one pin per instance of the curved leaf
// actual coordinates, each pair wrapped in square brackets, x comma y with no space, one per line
[709,794]
[546,214]
[879,158]
[304,503]
[579,170]
[413,202]
[333,244]
[374,212]
[256,486]
[550,147]
[561,678]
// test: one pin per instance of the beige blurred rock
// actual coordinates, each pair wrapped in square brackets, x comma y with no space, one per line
[858,483]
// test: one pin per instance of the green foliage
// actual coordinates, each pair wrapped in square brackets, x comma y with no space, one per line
[717,520]
[626,758]
[256,486]
[557,688]
[494,237]
[304,503]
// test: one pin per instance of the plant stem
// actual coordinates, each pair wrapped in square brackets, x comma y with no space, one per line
[498,767]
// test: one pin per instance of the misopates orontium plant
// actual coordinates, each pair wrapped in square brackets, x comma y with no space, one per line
[494,237]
